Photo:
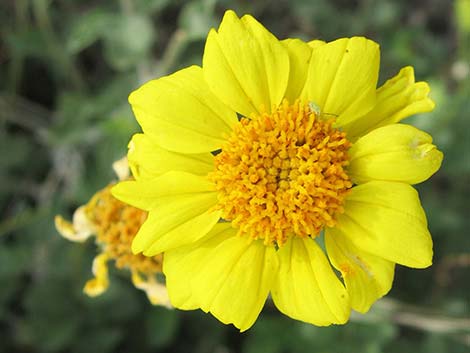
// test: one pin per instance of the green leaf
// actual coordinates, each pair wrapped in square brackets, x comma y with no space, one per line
[128,41]
[197,18]
[88,28]
[150,6]
[20,148]
[27,42]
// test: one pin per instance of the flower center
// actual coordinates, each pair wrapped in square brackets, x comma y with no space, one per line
[283,174]
[116,225]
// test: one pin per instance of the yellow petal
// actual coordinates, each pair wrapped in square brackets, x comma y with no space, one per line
[156,292]
[180,113]
[148,160]
[180,222]
[307,288]
[98,285]
[236,279]
[299,59]
[386,219]
[367,277]
[399,98]
[395,153]
[229,276]
[180,210]
[121,168]
[342,78]
[178,261]
[78,231]
[316,43]
[245,65]
[147,194]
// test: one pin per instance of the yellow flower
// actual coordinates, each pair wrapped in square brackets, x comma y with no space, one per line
[243,162]
[115,225]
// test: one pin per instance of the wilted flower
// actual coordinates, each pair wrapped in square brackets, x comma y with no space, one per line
[114,225]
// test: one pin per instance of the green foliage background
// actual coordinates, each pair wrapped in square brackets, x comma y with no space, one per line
[67,67]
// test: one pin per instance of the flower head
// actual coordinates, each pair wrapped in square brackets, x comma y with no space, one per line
[245,162]
[282,173]
[115,225]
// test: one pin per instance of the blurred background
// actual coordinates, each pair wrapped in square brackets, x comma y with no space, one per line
[66,69]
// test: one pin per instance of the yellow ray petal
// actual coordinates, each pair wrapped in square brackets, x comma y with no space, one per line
[316,43]
[98,285]
[386,219]
[395,153]
[342,78]
[399,98]
[176,263]
[229,276]
[245,65]
[236,279]
[180,113]
[180,210]
[299,59]
[149,193]
[180,222]
[148,160]
[307,288]
[156,292]
[367,277]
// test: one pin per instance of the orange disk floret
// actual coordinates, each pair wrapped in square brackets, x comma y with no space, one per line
[116,225]
[283,174]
